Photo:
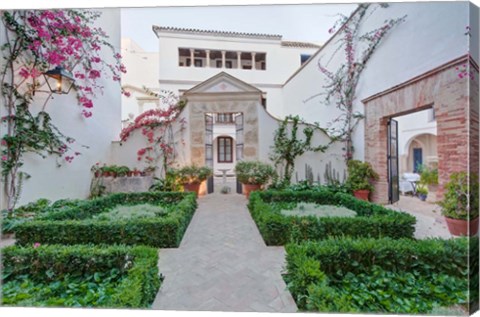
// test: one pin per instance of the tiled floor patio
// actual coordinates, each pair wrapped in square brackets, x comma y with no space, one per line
[223,263]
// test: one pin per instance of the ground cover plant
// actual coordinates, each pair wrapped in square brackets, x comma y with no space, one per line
[94,221]
[279,228]
[380,275]
[80,276]
[311,209]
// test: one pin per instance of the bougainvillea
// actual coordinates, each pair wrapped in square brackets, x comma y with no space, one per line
[35,42]
[341,84]
[157,127]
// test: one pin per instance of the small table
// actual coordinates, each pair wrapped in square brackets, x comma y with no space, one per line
[224,172]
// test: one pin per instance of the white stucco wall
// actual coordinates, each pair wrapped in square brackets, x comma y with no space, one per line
[142,71]
[72,180]
[432,35]
[317,161]
[281,62]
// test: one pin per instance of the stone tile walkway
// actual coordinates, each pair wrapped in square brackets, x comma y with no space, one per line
[430,222]
[223,264]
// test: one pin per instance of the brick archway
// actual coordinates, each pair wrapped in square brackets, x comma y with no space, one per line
[448,94]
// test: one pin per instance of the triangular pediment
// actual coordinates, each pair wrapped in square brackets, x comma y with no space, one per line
[222,83]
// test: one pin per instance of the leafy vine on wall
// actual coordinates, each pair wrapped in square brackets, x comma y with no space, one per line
[341,84]
[37,41]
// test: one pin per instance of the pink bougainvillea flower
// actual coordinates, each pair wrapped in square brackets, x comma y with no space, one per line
[93,74]
[36,245]
[4,158]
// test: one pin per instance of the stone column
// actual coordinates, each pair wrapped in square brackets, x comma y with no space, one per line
[223,58]
[253,61]
[208,58]
[192,57]
[239,60]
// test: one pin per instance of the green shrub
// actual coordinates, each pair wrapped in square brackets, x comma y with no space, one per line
[76,225]
[359,175]
[461,199]
[193,174]
[253,172]
[81,275]
[132,212]
[377,275]
[372,220]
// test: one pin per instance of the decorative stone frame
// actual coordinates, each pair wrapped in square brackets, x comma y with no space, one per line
[457,121]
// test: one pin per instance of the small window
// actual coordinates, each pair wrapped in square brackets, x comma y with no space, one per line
[228,64]
[304,58]
[247,67]
[219,64]
[198,63]
[263,66]
[225,118]
[225,150]
[189,62]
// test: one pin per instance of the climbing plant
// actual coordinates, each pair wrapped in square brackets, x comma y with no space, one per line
[37,41]
[157,127]
[341,84]
[288,145]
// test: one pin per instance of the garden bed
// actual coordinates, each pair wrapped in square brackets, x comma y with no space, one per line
[378,275]
[81,221]
[80,276]
[279,228]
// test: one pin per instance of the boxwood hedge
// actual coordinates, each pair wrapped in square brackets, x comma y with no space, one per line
[378,275]
[137,266]
[372,220]
[74,224]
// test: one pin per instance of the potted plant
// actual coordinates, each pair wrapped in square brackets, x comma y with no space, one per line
[460,204]
[122,171]
[136,172]
[97,170]
[429,177]
[360,174]
[192,176]
[422,192]
[149,170]
[253,174]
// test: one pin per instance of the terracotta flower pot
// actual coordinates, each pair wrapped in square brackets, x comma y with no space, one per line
[247,188]
[129,174]
[98,174]
[459,227]
[106,174]
[192,187]
[361,194]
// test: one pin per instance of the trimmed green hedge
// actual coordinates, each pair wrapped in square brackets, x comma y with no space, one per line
[434,270]
[73,224]
[372,220]
[137,265]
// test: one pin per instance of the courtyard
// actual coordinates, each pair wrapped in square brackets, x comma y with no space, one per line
[213,168]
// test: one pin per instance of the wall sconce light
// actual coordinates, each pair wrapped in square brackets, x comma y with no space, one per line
[59,80]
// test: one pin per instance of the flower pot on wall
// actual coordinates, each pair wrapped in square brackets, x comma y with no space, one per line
[192,187]
[422,197]
[248,188]
[459,227]
[361,194]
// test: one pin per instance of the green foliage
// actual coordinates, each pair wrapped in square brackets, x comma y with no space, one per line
[379,275]
[311,209]
[10,220]
[80,276]
[372,220]
[193,174]
[132,212]
[76,225]
[287,146]
[461,196]
[170,183]
[359,175]
[422,190]
[428,176]
[253,172]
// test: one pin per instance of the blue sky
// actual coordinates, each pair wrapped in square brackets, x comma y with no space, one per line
[295,22]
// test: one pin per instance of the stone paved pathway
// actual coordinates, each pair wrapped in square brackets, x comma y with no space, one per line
[430,222]
[223,264]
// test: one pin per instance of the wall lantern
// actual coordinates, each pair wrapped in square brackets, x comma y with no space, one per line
[59,80]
